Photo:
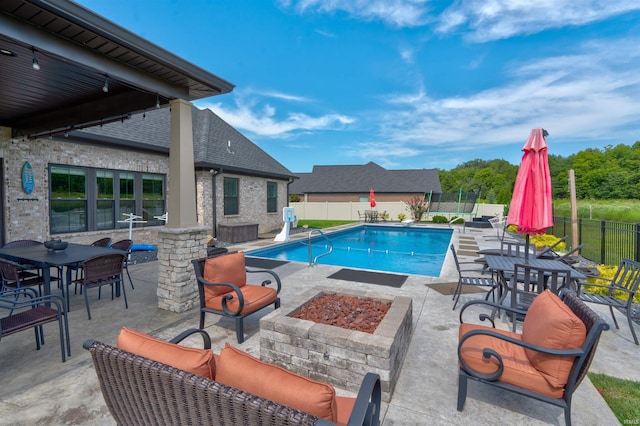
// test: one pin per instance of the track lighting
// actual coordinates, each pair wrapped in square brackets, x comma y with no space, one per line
[105,88]
[36,65]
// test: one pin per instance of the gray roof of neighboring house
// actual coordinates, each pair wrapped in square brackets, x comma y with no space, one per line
[362,178]
[216,144]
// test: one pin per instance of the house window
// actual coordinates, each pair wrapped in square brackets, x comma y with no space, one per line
[152,198]
[88,199]
[231,205]
[126,196]
[272,197]
[68,211]
[105,202]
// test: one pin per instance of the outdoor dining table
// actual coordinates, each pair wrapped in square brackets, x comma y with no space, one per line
[41,257]
[502,264]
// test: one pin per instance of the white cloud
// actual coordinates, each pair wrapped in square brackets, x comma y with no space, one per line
[486,20]
[584,96]
[262,119]
[398,13]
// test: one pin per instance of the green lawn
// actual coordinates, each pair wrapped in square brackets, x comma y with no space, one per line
[622,396]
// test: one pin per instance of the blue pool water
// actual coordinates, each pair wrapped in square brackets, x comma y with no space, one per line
[407,250]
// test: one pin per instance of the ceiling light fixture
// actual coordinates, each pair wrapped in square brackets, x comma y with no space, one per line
[105,88]
[157,101]
[36,65]
[7,52]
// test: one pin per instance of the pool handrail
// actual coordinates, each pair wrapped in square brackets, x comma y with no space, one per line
[315,260]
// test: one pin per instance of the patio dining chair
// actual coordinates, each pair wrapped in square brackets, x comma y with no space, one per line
[99,271]
[27,270]
[26,310]
[77,268]
[465,279]
[13,277]
[618,293]
[125,246]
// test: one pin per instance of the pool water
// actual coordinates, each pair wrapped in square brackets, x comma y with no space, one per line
[406,250]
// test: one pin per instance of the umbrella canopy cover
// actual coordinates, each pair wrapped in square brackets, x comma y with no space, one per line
[530,208]
[372,199]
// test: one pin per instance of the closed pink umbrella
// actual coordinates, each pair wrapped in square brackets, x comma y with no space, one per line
[530,208]
[372,199]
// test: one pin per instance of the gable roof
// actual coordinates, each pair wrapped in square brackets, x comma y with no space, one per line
[362,178]
[216,144]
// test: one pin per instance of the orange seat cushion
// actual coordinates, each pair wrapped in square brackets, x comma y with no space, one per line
[255,297]
[345,407]
[243,371]
[194,360]
[228,268]
[517,369]
[552,324]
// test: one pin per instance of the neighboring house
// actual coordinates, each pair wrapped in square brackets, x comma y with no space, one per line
[89,178]
[353,183]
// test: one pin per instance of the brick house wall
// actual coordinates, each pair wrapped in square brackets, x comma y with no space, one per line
[30,219]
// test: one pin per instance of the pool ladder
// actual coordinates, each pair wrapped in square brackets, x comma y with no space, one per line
[315,259]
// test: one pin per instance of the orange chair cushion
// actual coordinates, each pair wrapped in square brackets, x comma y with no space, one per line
[552,324]
[228,268]
[243,371]
[194,360]
[517,369]
[255,297]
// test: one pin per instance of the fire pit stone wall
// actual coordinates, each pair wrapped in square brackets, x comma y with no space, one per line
[337,355]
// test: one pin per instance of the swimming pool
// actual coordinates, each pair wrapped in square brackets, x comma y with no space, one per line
[407,250]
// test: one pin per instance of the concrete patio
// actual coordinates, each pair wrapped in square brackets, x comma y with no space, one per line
[37,388]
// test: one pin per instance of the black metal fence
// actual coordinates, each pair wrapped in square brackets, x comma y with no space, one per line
[604,241]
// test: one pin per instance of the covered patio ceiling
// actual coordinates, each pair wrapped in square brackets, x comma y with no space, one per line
[78,52]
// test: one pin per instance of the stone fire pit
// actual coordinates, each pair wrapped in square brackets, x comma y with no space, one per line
[337,355]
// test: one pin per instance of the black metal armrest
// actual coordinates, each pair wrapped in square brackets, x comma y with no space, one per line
[32,301]
[267,282]
[493,306]
[23,291]
[234,291]
[489,353]
[205,337]
[366,410]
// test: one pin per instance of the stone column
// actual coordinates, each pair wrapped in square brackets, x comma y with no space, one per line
[177,289]
[182,239]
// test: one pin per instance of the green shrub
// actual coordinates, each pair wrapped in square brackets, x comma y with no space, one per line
[548,241]
[607,272]
[401,216]
[440,219]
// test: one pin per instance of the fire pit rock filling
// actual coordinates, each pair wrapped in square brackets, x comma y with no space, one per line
[336,355]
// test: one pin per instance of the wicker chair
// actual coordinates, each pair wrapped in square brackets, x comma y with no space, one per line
[99,271]
[125,246]
[27,310]
[226,291]
[546,362]
[13,276]
[139,391]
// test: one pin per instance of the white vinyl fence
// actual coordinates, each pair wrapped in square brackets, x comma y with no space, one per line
[349,210]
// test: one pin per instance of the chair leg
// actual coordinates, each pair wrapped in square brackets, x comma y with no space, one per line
[201,320]
[124,291]
[456,295]
[614,317]
[126,268]
[633,332]
[462,391]
[240,330]
[86,302]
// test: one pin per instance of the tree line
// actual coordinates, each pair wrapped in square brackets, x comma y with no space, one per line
[612,172]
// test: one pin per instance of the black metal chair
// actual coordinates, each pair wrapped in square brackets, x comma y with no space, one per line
[27,270]
[125,246]
[99,271]
[26,310]
[624,284]
[503,359]
[527,281]
[471,280]
[223,289]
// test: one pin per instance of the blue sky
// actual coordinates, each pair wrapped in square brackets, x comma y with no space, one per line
[407,84]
